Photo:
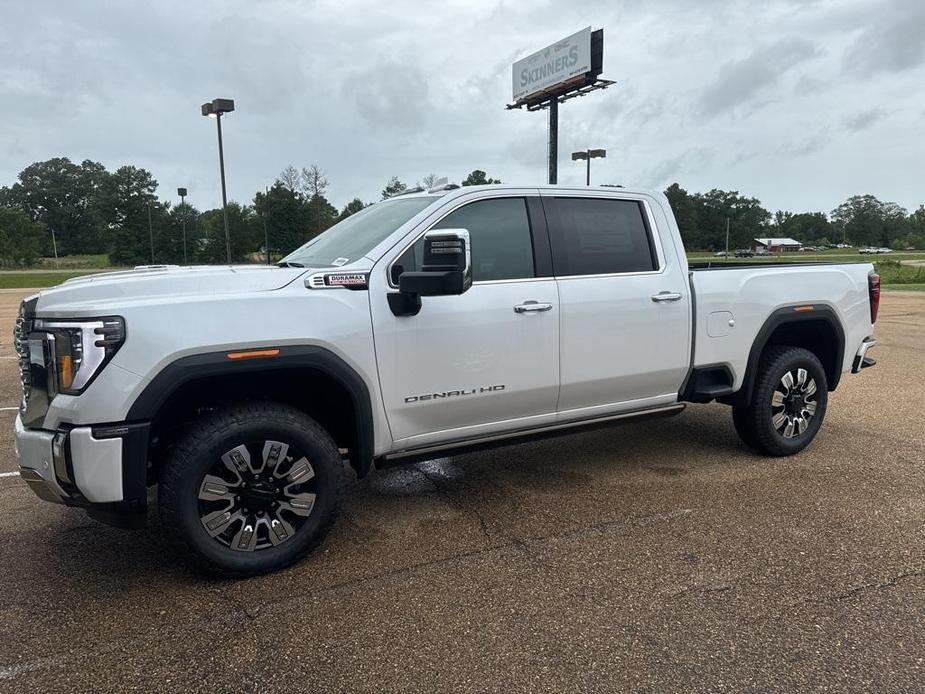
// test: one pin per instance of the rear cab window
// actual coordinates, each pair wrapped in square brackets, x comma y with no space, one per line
[599,236]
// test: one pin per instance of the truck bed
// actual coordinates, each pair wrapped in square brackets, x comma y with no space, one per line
[733,300]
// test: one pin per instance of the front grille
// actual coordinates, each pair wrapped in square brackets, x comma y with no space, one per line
[21,342]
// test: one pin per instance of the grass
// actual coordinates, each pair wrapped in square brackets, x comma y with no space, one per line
[892,273]
[37,279]
[74,262]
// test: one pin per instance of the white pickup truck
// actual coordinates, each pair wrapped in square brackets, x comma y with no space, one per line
[431,322]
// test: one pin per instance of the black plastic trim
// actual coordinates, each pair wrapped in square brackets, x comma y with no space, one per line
[539,233]
[430,452]
[188,369]
[695,391]
[784,316]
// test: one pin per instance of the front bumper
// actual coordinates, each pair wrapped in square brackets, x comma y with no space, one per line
[100,468]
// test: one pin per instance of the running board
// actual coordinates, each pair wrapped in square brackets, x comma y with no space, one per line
[522,435]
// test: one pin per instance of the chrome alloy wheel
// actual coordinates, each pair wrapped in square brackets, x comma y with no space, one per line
[793,403]
[252,502]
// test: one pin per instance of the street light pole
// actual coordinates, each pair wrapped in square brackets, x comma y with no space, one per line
[221,166]
[182,193]
[587,155]
[216,108]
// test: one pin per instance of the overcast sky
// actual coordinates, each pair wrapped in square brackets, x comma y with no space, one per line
[800,103]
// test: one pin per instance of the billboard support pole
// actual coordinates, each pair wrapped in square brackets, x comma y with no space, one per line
[554,140]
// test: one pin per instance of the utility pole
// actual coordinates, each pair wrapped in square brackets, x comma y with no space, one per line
[54,244]
[266,234]
[727,239]
[151,233]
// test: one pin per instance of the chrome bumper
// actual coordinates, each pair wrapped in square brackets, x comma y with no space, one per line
[35,452]
[66,466]
[861,360]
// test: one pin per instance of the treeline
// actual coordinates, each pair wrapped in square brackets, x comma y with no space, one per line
[862,220]
[85,209]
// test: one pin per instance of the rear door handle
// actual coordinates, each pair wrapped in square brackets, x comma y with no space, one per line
[532,306]
[666,296]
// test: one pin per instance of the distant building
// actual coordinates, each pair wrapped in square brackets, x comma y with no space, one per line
[775,245]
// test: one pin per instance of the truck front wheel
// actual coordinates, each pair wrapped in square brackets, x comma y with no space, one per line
[250,489]
[788,402]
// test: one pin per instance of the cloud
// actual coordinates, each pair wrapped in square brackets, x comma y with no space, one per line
[894,40]
[862,120]
[741,81]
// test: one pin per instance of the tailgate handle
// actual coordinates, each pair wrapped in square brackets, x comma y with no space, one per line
[666,296]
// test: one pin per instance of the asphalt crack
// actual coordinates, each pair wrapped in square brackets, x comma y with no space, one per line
[889,583]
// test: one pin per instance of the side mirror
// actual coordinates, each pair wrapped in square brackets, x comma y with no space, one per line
[445,270]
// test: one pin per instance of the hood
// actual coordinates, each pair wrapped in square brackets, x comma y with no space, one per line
[95,292]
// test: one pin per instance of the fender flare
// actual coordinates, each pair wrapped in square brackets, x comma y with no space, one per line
[187,369]
[784,316]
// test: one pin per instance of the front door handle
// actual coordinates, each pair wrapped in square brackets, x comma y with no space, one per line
[532,306]
[666,296]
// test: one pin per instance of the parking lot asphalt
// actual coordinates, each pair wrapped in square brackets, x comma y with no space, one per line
[657,556]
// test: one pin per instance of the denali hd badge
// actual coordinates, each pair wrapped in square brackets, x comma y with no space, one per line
[453,393]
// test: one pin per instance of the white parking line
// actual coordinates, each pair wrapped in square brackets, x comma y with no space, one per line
[8,409]
[8,474]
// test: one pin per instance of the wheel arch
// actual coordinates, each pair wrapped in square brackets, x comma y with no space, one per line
[815,327]
[295,374]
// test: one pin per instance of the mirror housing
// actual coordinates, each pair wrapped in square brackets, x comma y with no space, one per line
[445,270]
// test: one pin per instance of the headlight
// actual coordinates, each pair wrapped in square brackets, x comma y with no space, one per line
[80,348]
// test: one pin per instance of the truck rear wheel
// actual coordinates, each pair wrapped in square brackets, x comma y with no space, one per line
[250,489]
[788,402]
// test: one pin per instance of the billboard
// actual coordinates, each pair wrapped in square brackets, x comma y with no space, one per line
[564,65]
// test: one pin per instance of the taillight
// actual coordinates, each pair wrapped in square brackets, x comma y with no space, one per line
[873,286]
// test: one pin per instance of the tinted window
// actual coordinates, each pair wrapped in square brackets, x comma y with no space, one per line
[499,233]
[596,237]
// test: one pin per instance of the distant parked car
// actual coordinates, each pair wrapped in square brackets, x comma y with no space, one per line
[867,251]
[762,251]
[744,253]
[884,250]
[720,254]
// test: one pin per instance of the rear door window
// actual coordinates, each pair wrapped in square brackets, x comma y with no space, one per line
[596,236]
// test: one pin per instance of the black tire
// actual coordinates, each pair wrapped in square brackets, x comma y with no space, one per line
[787,427]
[200,452]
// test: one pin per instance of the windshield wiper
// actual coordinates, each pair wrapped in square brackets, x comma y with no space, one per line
[288,263]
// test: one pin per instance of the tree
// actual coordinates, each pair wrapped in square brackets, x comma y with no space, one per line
[286,217]
[245,230]
[806,227]
[62,196]
[478,178]
[291,179]
[20,238]
[684,207]
[314,182]
[321,214]
[125,200]
[393,187]
[866,221]
[350,208]
[429,181]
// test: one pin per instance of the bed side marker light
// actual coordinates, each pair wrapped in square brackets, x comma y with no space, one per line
[803,309]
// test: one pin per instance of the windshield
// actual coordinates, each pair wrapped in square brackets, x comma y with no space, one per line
[355,236]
